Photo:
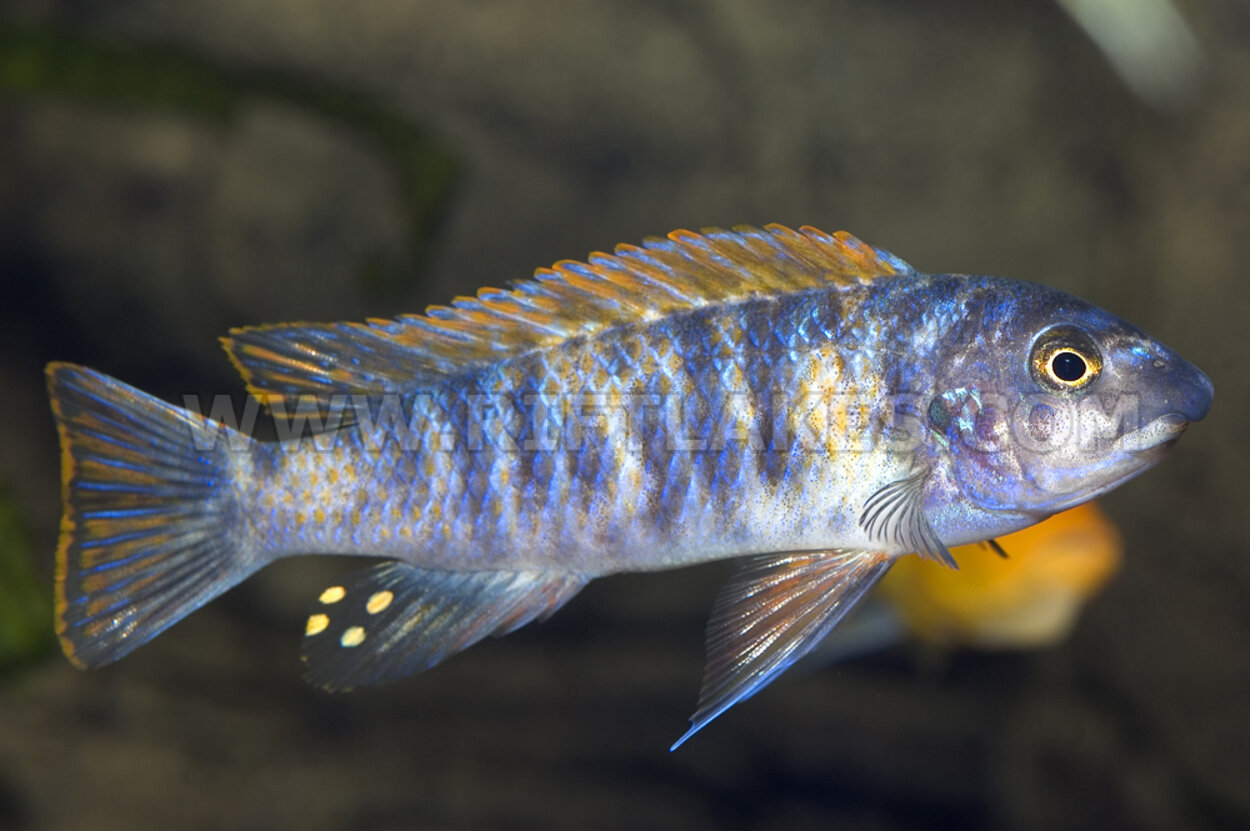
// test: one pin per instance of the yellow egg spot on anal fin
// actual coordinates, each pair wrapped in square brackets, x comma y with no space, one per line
[316,624]
[379,601]
[333,595]
[354,636]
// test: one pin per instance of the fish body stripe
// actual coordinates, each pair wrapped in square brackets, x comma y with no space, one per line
[724,430]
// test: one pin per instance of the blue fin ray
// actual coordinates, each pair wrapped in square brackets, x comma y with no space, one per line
[146,535]
[775,610]
[682,271]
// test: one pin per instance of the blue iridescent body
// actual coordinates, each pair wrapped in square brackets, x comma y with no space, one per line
[800,400]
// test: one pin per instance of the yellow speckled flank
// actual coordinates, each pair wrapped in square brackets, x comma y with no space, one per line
[332,595]
[354,636]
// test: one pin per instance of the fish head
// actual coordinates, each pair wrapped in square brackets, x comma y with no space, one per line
[1052,401]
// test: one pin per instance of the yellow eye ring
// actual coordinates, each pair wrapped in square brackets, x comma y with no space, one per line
[1065,359]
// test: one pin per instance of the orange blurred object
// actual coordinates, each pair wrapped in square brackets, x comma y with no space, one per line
[1030,599]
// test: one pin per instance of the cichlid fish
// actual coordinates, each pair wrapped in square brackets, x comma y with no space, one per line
[1024,591]
[1027,600]
[800,400]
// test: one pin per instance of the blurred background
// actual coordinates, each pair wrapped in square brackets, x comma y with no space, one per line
[169,170]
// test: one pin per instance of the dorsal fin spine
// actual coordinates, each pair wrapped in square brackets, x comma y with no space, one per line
[662,276]
[647,269]
[537,314]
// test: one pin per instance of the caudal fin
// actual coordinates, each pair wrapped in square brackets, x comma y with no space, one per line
[148,533]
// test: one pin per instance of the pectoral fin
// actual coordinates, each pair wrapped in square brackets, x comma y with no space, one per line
[774,610]
[395,620]
[895,516]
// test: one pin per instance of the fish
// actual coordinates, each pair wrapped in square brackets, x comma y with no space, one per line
[1027,600]
[802,403]
[1024,592]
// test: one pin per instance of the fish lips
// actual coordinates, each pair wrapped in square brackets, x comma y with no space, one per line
[1182,395]
[1129,455]
[1153,438]
[1141,449]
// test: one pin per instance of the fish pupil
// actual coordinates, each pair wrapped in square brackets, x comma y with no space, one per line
[1068,366]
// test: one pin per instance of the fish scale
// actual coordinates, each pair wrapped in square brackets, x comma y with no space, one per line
[468,497]
[801,402]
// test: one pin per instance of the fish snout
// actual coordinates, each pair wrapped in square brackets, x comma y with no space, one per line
[1172,388]
[1194,393]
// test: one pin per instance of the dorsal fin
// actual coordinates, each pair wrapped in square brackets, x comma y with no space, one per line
[637,283]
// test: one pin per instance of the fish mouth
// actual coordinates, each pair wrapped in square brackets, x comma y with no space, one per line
[1143,448]
[1135,452]
[1156,437]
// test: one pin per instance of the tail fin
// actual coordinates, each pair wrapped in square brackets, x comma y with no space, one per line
[148,530]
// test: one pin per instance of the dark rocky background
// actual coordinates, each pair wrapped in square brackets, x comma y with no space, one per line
[168,170]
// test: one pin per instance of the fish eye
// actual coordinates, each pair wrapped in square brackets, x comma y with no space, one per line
[1065,359]
[1068,366]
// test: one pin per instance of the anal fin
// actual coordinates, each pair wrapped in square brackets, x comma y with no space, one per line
[775,610]
[394,620]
